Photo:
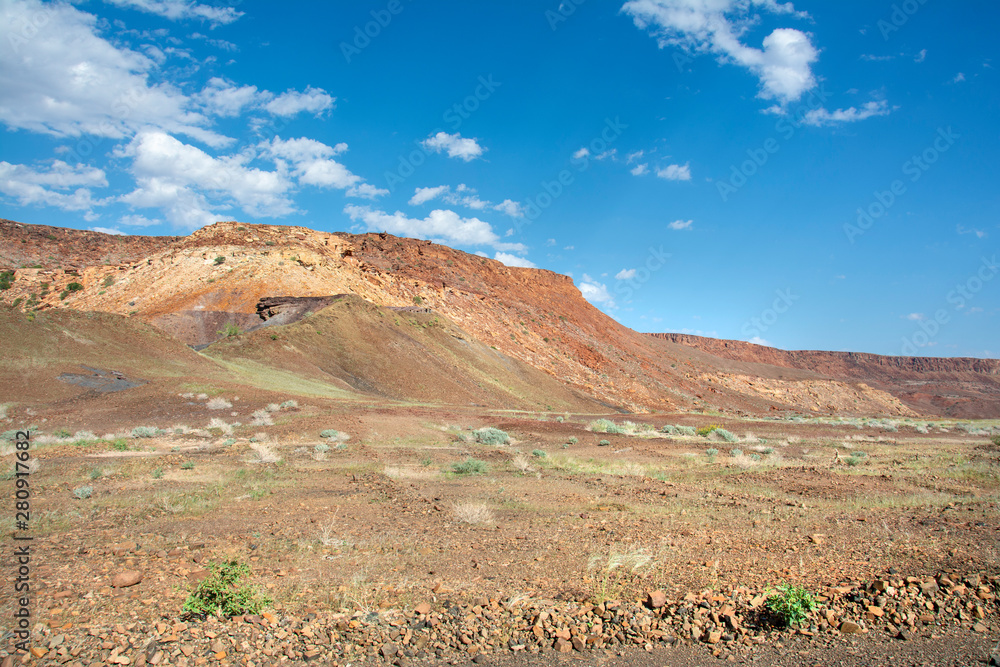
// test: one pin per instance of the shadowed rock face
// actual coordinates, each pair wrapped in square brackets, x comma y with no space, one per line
[277,310]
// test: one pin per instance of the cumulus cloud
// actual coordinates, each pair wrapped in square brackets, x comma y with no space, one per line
[595,292]
[68,81]
[821,117]
[61,185]
[681,225]
[510,208]
[454,145]
[625,274]
[440,225]
[675,172]
[291,102]
[312,163]
[784,63]
[138,221]
[921,57]
[581,153]
[640,169]
[177,10]
[514,260]
[424,195]
[223,98]
[178,178]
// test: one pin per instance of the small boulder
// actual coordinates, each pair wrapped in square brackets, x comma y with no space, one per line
[850,628]
[656,599]
[126,579]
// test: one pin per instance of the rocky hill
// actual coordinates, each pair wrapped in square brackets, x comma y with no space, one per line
[226,275]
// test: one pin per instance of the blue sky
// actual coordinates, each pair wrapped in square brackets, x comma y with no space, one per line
[816,176]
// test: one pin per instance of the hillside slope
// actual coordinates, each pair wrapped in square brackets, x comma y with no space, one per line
[192,287]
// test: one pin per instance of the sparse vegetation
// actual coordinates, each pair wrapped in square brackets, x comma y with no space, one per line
[6,278]
[711,452]
[218,403]
[705,430]
[603,443]
[120,445]
[187,465]
[491,436]
[473,512]
[145,432]
[605,426]
[224,593]
[539,454]
[470,466]
[231,330]
[83,492]
[791,604]
[218,260]
[157,473]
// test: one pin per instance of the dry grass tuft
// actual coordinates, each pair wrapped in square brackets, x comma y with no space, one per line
[473,512]
[218,403]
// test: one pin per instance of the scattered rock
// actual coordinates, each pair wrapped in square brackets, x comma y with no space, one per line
[126,579]
[656,599]
[562,645]
[850,628]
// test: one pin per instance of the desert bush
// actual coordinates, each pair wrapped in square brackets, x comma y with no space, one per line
[321,448]
[491,436]
[605,426]
[521,463]
[218,260]
[261,418]
[921,428]
[96,473]
[62,433]
[145,432]
[220,424]
[83,492]
[755,457]
[228,442]
[473,512]
[333,434]
[263,453]
[735,452]
[285,405]
[604,443]
[470,466]
[996,440]
[218,403]
[157,473]
[705,430]
[560,419]
[791,604]
[573,440]
[187,465]
[231,330]
[687,430]
[539,454]
[670,429]
[222,593]
[272,407]
[120,445]
[711,452]
[728,436]
[854,461]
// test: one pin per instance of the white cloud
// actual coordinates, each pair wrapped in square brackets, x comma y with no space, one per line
[139,221]
[64,186]
[424,195]
[223,98]
[916,317]
[640,169]
[634,156]
[625,274]
[444,225]
[783,65]
[581,153]
[175,177]
[112,231]
[757,340]
[292,102]
[454,145]
[681,225]
[607,154]
[311,162]
[68,81]
[821,117]
[595,292]
[921,57]
[510,208]
[177,10]
[960,77]
[550,242]
[981,234]
[675,172]
[514,260]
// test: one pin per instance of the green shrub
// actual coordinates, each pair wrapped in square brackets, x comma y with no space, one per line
[755,457]
[109,281]
[229,442]
[854,461]
[711,452]
[83,492]
[604,443]
[144,432]
[791,604]
[470,466]
[687,430]
[218,260]
[96,473]
[231,330]
[539,454]
[859,455]
[74,287]
[120,445]
[728,436]
[669,429]
[158,473]
[735,452]
[705,430]
[605,426]
[6,278]
[996,440]
[329,433]
[223,593]
[321,448]
[417,300]
[491,436]
[767,451]
[573,440]
[187,465]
